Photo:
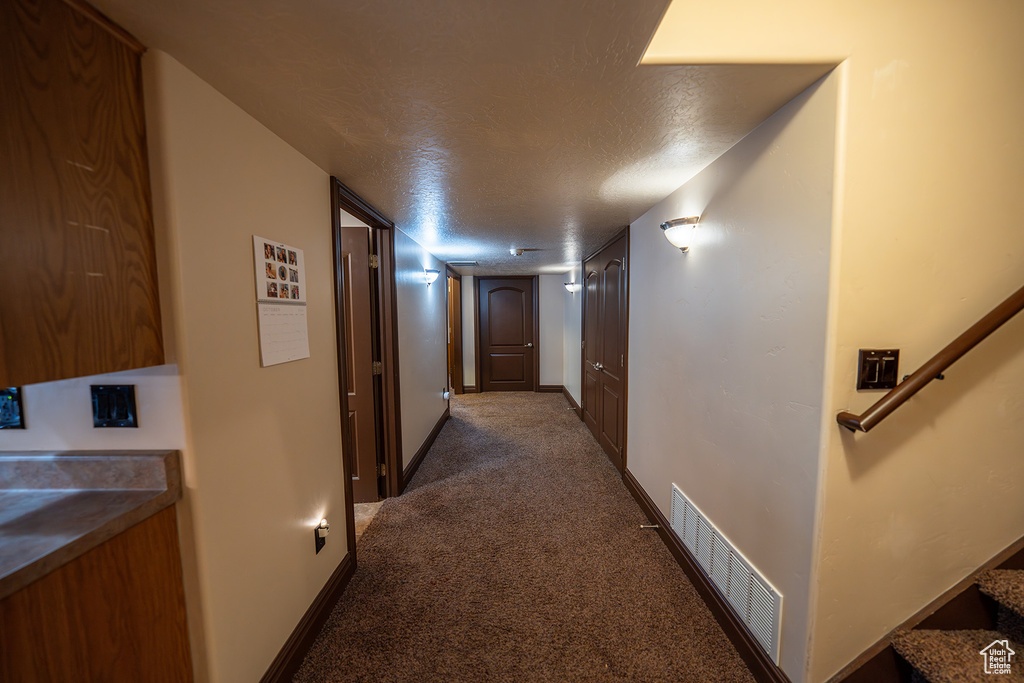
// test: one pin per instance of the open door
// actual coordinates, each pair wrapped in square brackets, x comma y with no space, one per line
[364,456]
[455,332]
[365,315]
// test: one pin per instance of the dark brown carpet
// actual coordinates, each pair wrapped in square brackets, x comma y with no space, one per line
[516,554]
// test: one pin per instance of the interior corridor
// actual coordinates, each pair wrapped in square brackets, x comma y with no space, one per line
[516,553]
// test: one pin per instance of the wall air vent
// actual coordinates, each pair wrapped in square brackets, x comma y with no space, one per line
[751,597]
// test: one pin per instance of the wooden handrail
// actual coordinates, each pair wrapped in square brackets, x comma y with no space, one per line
[930,370]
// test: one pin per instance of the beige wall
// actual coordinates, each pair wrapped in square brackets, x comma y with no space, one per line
[549,336]
[572,335]
[926,240]
[263,445]
[727,347]
[468,330]
[58,415]
[422,342]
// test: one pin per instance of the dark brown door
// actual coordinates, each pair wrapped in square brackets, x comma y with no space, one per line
[604,348]
[455,334]
[507,351]
[355,254]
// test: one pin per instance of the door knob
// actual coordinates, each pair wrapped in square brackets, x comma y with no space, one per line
[530,344]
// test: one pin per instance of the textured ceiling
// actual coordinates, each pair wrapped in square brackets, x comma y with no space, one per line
[476,126]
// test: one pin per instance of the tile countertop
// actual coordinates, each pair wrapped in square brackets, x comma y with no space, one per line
[56,506]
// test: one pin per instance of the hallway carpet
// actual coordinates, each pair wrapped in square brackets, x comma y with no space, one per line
[516,555]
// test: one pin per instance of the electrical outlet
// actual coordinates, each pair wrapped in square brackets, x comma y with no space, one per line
[320,541]
[114,406]
[11,414]
[320,534]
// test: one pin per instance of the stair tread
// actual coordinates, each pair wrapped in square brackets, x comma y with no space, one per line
[1006,586]
[954,656]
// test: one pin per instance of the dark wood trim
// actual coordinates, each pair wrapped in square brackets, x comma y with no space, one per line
[761,666]
[624,233]
[289,659]
[623,452]
[104,22]
[339,332]
[614,238]
[549,388]
[456,342]
[934,368]
[536,322]
[417,459]
[1015,560]
[470,389]
[972,610]
[536,331]
[583,339]
[359,208]
[389,415]
[870,658]
[572,403]
[391,402]
[479,383]
[885,667]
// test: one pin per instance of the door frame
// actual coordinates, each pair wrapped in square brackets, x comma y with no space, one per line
[455,306]
[387,398]
[536,324]
[625,342]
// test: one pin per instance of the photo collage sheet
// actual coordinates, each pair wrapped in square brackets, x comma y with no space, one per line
[283,276]
[280,301]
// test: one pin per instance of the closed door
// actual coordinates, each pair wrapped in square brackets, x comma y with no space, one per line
[507,352]
[604,348]
[362,423]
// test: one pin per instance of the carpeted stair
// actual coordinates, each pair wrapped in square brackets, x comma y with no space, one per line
[946,647]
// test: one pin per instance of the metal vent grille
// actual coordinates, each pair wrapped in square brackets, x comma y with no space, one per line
[750,595]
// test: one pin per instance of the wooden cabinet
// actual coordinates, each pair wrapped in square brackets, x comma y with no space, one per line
[78,287]
[117,613]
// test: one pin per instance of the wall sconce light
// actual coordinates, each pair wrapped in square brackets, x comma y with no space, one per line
[430,275]
[571,286]
[679,231]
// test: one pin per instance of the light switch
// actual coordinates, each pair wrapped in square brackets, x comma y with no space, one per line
[114,406]
[878,369]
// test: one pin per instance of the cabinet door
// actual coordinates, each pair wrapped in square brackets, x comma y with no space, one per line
[117,613]
[78,284]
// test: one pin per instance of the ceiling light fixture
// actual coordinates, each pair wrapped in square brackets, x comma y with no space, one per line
[679,231]
[430,275]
